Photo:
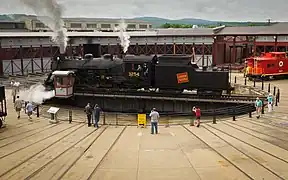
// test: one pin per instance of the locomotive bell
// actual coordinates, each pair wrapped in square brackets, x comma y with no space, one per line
[88,56]
[108,56]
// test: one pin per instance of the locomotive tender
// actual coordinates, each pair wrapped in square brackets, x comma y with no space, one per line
[165,73]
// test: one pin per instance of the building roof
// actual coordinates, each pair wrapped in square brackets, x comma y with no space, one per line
[108,20]
[11,21]
[156,32]
[76,34]
[273,29]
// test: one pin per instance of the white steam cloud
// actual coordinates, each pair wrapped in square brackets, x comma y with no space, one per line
[49,12]
[36,94]
[123,35]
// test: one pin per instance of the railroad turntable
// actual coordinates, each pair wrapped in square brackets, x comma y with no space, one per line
[135,84]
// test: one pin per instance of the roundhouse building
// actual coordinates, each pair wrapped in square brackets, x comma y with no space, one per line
[31,52]
[82,24]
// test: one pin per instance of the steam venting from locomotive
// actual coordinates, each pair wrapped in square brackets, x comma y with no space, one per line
[49,12]
[36,94]
[123,35]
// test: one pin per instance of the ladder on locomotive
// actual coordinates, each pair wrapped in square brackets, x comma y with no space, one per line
[254,70]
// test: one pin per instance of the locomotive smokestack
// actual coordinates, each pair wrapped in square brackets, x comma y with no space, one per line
[62,57]
[121,54]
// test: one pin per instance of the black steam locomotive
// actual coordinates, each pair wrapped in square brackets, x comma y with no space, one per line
[164,73]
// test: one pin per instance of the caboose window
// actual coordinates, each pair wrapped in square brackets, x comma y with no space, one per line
[59,81]
[268,65]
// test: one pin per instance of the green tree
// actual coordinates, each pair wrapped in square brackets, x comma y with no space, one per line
[168,25]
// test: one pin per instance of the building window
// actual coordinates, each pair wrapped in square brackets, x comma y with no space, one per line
[270,65]
[150,26]
[75,25]
[142,26]
[94,26]
[116,25]
[40,25]
[20,26]
[105,25]
[7,26]
[131,26]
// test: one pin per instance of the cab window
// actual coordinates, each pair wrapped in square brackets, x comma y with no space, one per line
[59,81]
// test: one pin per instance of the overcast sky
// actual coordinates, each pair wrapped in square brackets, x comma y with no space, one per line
[228,10]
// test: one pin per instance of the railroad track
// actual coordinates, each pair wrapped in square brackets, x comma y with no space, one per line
[248,176]
[252,132]
[229,139]
[32,175]
[43,149]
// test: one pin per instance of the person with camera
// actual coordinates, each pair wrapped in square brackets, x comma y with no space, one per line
[154,115]
[197,112]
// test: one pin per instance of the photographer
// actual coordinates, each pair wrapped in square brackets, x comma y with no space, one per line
[197,112]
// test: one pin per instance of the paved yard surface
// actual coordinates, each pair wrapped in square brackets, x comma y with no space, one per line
[248,148]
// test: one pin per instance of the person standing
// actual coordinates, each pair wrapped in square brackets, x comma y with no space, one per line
[154,120]
[197,112]
[29,110]
[88,111]
[18,106]
[270,102]
[258,105]
[97,111]
[13,94]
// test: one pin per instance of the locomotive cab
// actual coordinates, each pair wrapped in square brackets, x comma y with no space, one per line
[63,83]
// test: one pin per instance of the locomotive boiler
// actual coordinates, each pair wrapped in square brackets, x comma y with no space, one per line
[164,73]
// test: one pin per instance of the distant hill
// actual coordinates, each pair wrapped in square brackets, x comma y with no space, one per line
[156,22]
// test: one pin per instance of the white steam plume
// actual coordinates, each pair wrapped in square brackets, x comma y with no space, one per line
[123,35]
[49,12]
[36,94]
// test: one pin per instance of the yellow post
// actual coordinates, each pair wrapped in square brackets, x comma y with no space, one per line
[142,120]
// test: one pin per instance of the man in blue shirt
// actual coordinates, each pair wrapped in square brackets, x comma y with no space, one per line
[29,109]
[270,102]
[258,105]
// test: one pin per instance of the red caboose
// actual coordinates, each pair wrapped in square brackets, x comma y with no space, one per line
[267,65]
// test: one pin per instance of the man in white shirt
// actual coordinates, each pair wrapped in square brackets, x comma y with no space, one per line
[154,120]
